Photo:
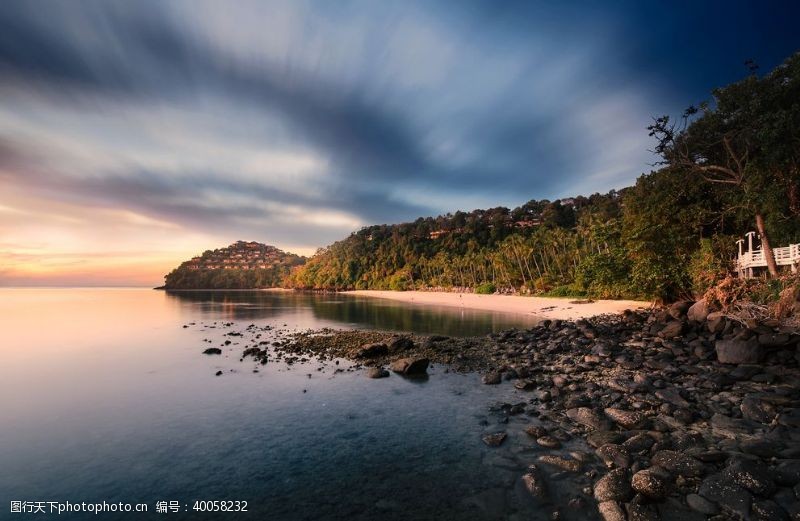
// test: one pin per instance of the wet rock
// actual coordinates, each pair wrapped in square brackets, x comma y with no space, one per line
[627,419]
[410,366]
[611,511]
[677,463]
[726,494]
[650,484]
[534,483]
[372,350]
[377,372]
[739,351]
[590,418]
[751,474]
[494,440]
[700,504]
[213,351]
[570,465]
[218,373]
[537,431]
[614,455]
[493,378]
[548,442]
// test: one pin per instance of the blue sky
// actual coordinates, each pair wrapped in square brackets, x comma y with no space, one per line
[141,132]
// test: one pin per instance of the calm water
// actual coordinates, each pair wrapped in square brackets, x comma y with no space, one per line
[104,396]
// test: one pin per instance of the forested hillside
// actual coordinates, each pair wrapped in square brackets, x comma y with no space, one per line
[242,265]
[730,166]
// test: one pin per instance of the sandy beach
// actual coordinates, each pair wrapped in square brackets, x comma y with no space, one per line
[553,308]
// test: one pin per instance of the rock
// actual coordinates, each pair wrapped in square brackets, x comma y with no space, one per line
[600,438]
[677,463]
[548,442]
[698,311]
[766,510]
[650,484]
[589,417]
[753,408]
[611,511]
[399,344]
[728,427]
[570,465]
[738,351]
[493,378]
[534,482]
[679,309]
[716,322]
[787,472]
[614,455]
[213,351]
[537,431]
[627,419]
[751,474]
[218,373]
[727,494]
[673,396]
[614,486]
[494,440]
[674,328]
[638,443]
[700,504]
[410,366]
[377,372]
[641,512]
[372,350]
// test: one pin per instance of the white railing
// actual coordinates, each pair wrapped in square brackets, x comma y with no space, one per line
[785,256]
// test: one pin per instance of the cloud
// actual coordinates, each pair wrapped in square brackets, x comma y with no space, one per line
[294,122]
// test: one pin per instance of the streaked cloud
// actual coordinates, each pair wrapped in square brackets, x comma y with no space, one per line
[172,127]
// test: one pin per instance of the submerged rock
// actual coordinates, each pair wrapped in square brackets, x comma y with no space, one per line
[377,372]
[494,440]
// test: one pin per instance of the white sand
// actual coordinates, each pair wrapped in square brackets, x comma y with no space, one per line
[560,308]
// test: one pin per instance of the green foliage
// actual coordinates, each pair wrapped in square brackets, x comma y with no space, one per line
[706,268]
[485,288]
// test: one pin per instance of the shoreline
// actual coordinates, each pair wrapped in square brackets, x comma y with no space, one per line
[650,413]
[544,307]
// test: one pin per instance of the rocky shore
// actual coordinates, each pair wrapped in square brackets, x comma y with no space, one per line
[676,413]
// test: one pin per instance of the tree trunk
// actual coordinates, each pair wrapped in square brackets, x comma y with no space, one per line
[766,248]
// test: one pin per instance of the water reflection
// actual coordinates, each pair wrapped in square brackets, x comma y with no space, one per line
[318,310]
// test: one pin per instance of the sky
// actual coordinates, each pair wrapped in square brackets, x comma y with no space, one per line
[134,135]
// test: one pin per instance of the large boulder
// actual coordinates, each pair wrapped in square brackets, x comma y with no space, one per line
[739,351]
[410,366]
[699,311]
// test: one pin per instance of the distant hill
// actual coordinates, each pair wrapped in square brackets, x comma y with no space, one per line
[242,265]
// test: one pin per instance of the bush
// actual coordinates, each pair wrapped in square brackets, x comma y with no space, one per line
[398,282]
[485,288]
[706,268]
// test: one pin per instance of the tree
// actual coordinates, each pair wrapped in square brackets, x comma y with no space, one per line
[744,141]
